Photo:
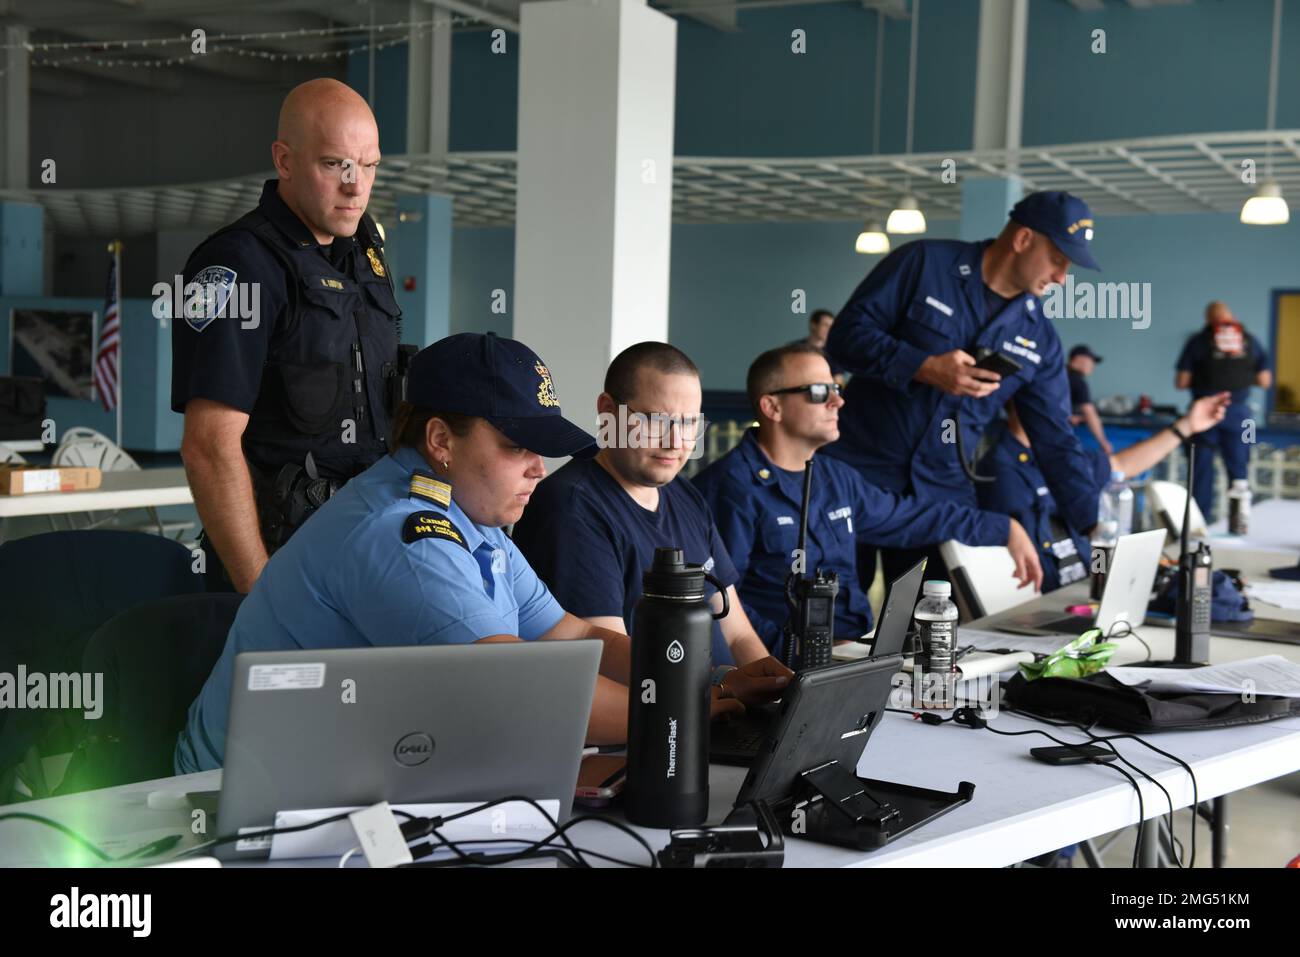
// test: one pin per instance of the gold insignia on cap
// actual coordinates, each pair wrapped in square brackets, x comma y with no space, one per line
[376,264]
[764,474]
[546,390]
[429,488]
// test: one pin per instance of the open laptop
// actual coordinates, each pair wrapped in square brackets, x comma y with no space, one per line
[1124,600]
[737,740]
[350,727]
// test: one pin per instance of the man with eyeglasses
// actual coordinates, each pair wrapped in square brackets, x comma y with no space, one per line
[756,491]
[592,527]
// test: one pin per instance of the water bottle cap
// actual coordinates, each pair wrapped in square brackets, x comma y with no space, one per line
[1241,483]
[669,576]
[1117,476]
[936,589]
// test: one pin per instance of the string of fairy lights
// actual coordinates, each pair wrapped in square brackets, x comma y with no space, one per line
[236,44]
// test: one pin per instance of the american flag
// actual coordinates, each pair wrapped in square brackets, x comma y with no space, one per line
[108,353]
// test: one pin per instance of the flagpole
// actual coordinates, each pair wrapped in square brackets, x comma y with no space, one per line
[116,247]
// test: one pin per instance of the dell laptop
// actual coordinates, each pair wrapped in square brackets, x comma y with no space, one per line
[350,727]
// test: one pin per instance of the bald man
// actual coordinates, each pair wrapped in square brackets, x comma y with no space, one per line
[285,357]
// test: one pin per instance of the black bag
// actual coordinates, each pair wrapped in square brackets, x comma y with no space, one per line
[1101,699]
[22,407]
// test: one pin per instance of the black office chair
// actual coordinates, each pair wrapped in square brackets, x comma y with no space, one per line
[155,659]
[55,591]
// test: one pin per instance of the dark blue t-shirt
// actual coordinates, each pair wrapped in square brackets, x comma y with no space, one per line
[590,542]
[1079,391]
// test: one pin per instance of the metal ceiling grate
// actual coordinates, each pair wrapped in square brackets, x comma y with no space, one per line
[1163,175]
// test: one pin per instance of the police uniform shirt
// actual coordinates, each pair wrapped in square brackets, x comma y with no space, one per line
[926,298]
[379,564]
[291,367]
[756,507]
[1199,351]
[1021,491]
[591,542]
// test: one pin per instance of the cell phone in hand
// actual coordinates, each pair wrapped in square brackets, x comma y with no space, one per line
[998,362]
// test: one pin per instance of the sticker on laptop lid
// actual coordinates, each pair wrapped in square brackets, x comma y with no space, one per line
[286,677]
[260,843]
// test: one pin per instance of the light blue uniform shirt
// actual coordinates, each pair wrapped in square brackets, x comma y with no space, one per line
[349,578]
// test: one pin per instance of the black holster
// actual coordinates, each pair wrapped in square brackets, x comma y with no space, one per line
[287,499]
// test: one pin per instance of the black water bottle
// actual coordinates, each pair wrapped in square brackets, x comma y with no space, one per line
[668,701]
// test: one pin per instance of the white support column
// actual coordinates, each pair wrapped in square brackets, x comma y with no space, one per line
[594,219]
[17,105]
[428,99]
[1000,74]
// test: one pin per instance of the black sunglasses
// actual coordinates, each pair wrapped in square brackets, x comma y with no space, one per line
[817,392]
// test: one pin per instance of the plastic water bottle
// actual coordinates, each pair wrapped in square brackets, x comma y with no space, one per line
[935,662]
[1239,507]
[1114,518]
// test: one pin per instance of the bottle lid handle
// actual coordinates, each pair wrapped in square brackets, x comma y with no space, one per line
[726,602]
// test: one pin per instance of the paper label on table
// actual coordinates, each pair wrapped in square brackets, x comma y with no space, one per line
[286,677]
[40,480]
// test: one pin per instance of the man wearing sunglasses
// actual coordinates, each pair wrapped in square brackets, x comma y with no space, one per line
[592,527]
[912,334]
[756,491]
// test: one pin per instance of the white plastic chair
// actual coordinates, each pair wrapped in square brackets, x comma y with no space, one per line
[9,457]
[982,577]
[1168,499]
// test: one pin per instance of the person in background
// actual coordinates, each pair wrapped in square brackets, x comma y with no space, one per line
[1081,364]
[819,329]
[1223,356]
[1021,491]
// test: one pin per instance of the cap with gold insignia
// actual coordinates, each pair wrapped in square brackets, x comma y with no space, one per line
[500,380]
[1062,218]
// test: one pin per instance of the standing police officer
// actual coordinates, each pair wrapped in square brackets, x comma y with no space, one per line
[917,406]
[286,365]
[1222,357]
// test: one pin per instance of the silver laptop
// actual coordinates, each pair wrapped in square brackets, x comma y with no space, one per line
[1123,601]
[353,726]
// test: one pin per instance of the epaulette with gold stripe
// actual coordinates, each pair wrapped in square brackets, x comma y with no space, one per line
[425,486]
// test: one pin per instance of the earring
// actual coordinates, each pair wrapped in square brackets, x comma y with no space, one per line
[446,465]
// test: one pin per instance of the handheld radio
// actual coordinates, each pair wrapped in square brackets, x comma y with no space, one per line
[1195,587]
[810,629]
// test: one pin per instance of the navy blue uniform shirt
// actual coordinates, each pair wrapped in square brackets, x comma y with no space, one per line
[756,506]
[590,541]
[1200,347]
[1021,491]
[926,298]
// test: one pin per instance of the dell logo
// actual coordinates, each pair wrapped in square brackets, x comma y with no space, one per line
[413,749]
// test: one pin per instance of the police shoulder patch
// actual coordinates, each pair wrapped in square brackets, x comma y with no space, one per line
[424,524]
[207,294]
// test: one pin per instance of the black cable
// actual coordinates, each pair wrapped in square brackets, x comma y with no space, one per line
[1098,739]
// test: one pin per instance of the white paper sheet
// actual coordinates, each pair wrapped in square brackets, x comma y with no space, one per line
[1268,674]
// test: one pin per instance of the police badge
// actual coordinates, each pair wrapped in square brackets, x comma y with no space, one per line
[215,284]
[376,264]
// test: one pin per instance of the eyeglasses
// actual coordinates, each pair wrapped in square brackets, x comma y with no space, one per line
[656,425]
[817,391]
